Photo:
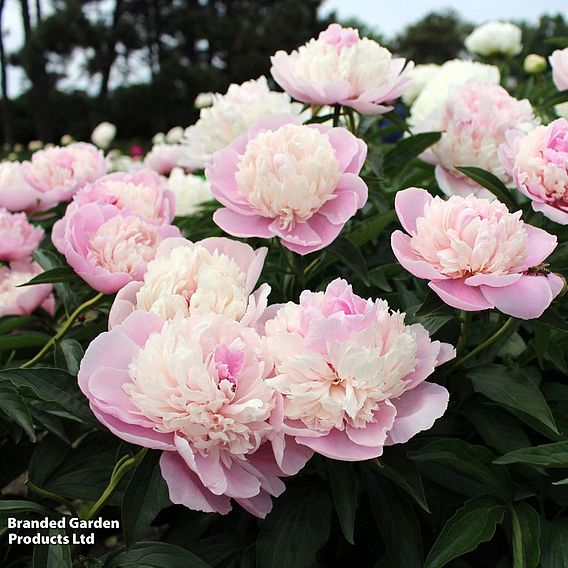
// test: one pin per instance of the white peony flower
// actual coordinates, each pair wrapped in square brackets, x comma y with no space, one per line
[230,116]
[174,135]
[534,63]
[103,135]
[421,75]
[191,192]
[449,75]
[495,38]
[203,100]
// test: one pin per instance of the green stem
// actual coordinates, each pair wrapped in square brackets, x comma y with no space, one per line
[517,540]
[483,345]
[62,330]
[465,321]
[124,465]
[336,114]
[53,496]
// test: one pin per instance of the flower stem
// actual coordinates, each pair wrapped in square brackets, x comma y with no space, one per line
[483,345]
[465,321]
[336,114]
[62,330]
[123,466]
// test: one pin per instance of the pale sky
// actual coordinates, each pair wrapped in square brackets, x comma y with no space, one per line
[387,16]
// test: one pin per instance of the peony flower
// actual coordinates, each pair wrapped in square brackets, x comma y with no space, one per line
[66,139]
[475,253]
[298,183]
[212,276]
[421,75]
[495,38]
[16,194]
[106,247]
[449,75]
[230,116]
[103,135]
[203,100]
[559,63]
[538,162]
[341,68]
[18,237]
[194,388]
[190,192]
[15,301]
[351,373]
[162,158]
[55,174]
[534,64]
[473,122]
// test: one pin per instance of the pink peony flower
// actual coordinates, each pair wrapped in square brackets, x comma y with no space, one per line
[559,63]
[194,388]
[341,68]
[473,122]
[475,253]
[538,162]
[16,301]
[163,158]
[352,374]
[16,194]
[18,237]
[106,247]
[143,193]
[56,173]
[212,276]
[298,183]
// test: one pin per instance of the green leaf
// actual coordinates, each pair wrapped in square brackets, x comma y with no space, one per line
[53,555]
[546,455]
[153,555]
[556,99]
[474,461]
[526,535]
[8,323]
[351,256]
[59,274]
[492,183]
[17,507]
[409,148]
[514,390]
[558,41]
[554,543]
[471,525]
[372,227]
[23,340]
[14,406]
[345,490]
[297,528]
[395,517]
[68,354]
[145,496]
[52,385]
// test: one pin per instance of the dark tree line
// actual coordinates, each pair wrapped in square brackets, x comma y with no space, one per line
[180,48]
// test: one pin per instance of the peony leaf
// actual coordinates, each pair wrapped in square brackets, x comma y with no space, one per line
[546,455]
[53,555]
[153,555]
[145,496]
[59,274]
[471,525]
[351,256]
[526,535]
[408,149]
[345,490]
[15,407]
[514,390]
[554,543]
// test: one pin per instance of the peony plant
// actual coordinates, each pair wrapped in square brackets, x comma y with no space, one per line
[255,342]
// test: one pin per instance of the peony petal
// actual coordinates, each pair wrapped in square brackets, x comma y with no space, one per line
[459,295]
[540,245]
[242,225]
[494,280]
[417,410]
[400,244]
[409,205]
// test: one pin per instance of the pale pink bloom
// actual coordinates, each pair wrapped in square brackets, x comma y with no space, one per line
[194,388]
[18,237]
[107,247]
[212,276]
[339,67]
[475,253]
[228,117]
[538,162]
[143,193]
[15,301]
[559,63]
[162,158]
[351,373]
[57,173]
[16,194]
[283,179]
[473,122]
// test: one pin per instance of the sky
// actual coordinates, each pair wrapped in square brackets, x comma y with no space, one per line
[386,16]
